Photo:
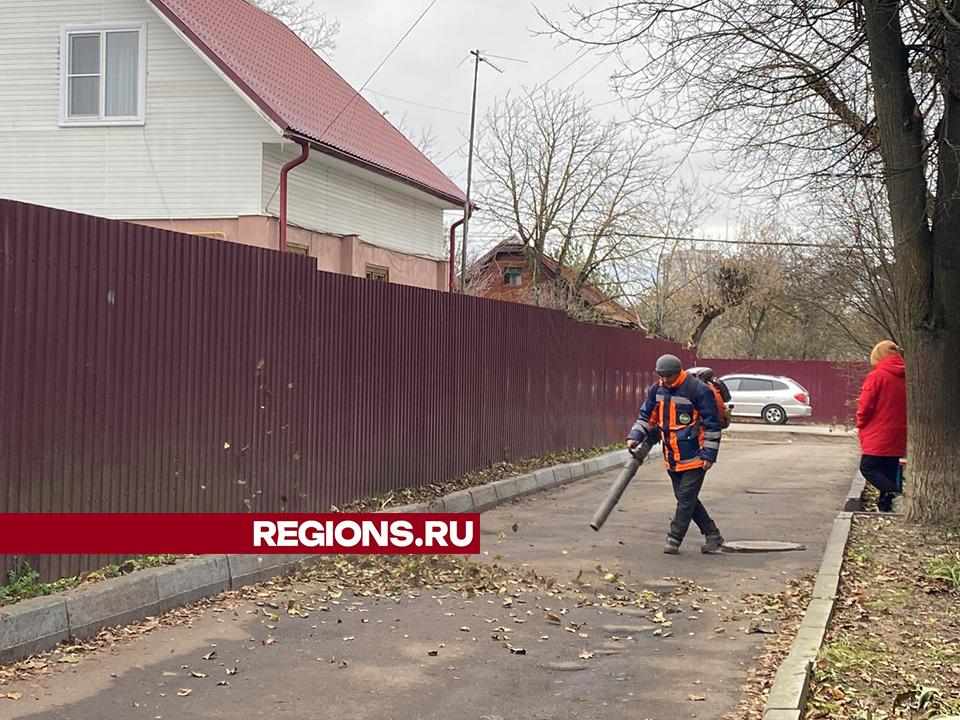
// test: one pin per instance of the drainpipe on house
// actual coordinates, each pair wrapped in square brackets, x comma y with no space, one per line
[283,189]
[453,250]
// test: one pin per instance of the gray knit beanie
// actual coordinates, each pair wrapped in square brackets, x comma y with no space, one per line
[669,365]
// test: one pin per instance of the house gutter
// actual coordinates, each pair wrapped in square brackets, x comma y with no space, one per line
[454,200]
[453,248]
[304,154]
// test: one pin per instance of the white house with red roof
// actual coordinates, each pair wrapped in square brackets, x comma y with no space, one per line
[184,114]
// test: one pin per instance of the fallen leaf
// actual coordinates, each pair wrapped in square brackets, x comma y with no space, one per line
[231,671]
[553,618]
[515,527]
[609,578]
[433,653]
[196,674]
[13,696]
[464,629]
[210,655]
[69,658]
[696,698]
[348,638]
[170,674]
[270,640]
[586,655]
[184,692]
[222,683]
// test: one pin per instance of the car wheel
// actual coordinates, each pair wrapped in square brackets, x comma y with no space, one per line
[774,415]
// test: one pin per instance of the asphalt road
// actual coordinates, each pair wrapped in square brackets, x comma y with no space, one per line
[618,664]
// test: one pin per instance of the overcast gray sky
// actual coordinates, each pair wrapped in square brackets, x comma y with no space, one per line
[427,68]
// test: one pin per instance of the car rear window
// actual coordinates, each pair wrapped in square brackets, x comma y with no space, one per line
[731,383]
[777,385]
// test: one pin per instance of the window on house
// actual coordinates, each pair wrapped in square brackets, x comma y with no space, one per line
[378,274]
[513,276]
[103,74]
[297,249]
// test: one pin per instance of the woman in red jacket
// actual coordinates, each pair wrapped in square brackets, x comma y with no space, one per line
[882,421]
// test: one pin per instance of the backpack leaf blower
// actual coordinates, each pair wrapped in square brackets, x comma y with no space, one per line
[637,456]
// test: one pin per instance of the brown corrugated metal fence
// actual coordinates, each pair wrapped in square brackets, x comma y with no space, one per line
[146,371]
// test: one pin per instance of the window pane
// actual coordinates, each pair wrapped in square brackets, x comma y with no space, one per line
[120,98]
[732,384]
[84,96]
[754,385]
[777,385]
[84,54]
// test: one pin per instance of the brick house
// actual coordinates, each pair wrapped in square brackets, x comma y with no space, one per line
[507,272]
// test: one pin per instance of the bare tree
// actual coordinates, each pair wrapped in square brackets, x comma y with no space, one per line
[851,277]
[565,184]
[301,16]
[802,92]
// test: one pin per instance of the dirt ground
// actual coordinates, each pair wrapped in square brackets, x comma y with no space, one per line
[893,649]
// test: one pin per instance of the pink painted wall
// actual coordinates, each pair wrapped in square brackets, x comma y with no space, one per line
[347,254]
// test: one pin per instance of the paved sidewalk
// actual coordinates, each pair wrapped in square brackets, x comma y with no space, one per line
[788,491]
[761,429]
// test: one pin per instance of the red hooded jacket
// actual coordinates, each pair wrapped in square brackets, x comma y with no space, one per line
[882,413]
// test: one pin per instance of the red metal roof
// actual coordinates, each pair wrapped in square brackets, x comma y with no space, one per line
[299,91]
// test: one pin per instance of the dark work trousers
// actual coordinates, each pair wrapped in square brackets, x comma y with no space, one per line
[686,488]
[881,472]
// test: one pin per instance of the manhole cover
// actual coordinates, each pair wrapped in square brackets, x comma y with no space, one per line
[564,666]
[760,546]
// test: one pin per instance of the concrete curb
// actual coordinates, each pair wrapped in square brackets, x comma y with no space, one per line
[854,502]
[32,626]
[788,695]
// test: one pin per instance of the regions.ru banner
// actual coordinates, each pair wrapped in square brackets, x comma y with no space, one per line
[213,533]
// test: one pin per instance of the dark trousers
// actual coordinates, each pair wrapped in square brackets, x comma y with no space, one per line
[882,473]
[686,488]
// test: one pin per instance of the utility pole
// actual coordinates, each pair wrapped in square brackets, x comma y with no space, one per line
[477,59]
[466,205]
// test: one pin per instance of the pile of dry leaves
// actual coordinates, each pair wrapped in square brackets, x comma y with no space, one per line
[497,471]
[893,648]
[788,608]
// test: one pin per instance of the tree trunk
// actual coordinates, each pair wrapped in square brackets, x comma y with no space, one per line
[704,318]
[933,460]
[927,265]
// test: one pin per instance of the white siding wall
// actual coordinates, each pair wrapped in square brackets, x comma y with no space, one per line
[203,153]
[197,157]
[330,196]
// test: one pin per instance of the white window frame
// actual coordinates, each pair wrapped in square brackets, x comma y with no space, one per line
[87,29]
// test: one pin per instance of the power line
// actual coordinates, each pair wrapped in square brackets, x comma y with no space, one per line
[759,243]
[567,66]
[602,61]
[379,94]
[377,69]
[454,153]
[363,87]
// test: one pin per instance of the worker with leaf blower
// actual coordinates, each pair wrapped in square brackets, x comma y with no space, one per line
[684,411]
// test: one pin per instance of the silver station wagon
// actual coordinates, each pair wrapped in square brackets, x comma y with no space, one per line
[776,399]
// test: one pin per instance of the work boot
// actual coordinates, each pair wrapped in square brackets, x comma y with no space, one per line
[713,544]
[672,547]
